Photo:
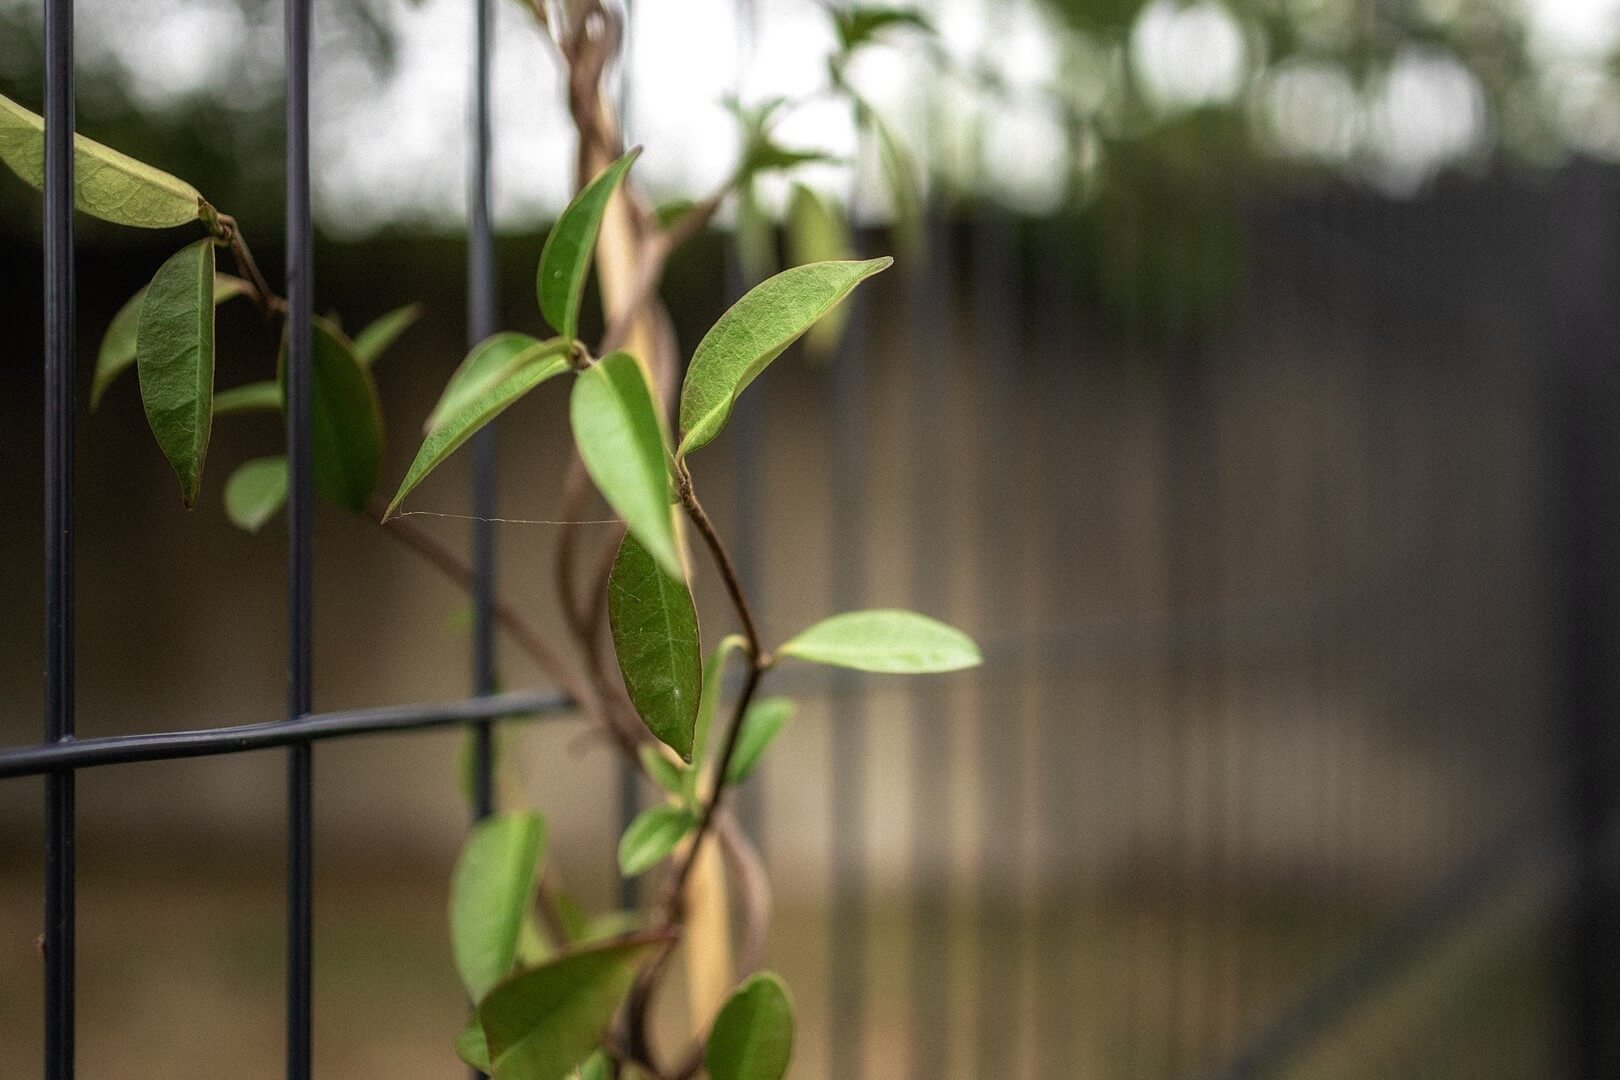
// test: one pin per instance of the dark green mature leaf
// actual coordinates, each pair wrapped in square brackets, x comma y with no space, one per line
[565,261]
[752,1037]
[770,317]
[117,351]
[894,642]
[492,888]
[861,25]
[655,635]
[665,773]
[490,361]
[174,356]
[651,837]
[256,492]
[543,1023]
[106,184]
[761,724]
[457,427]
[818,232]
[249,397]
[621,440]
[346,419]
[381,332]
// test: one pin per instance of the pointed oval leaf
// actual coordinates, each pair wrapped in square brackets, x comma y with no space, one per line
[770,317]
[491,890]
[893,642]
[818,232]
[249,397]
[761,724]
[543,1023]
[117,352]
[174,357]
[485,366]
[752,1038]
[381,332]
[346,427]
[655,635]
[256,492]
[106,184]
[651,837]
[713,671]
[471,1047]
[667,774]
[621,441]
[459,426]
[565,261]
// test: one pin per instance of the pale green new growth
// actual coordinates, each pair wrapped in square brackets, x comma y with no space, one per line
[655,636]
[117,350]
[665,773]
[818,232]
[543,1023]
[106,184]
[752,1037]
[621,441]
[490,893]
[769,318]
[250,397]
[887,641]
[565,261]
[381,332]
[457,427]
[651,837]
[256,492]
[174,356]
[761,725]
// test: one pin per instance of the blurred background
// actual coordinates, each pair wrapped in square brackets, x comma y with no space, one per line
[1246,386]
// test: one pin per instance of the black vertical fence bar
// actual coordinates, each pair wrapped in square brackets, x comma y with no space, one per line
[300,505]
[481,324]
[60,867]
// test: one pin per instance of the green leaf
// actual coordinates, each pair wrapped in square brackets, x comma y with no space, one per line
[543,1023]
[768,319]
[762,723]
[713,670]
[117,351]
[250,397]
[565,261]
[895,642]
[621,440]
[651,837]
[370,342]
[471,1047]
[174,356]
[667,774]
[905,201]
[491,890]
[752,1038]
[595,1068]
[457,427]
[346,419]
[655,635]
[818,232]
[755,236]
[256,492]
[490,361]
[106,184]
[860,26]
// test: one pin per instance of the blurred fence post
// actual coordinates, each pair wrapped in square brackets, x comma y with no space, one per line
[1582,403]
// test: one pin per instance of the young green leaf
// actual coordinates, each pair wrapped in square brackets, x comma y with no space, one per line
[379,334]
[249,397]
[714,669]
[761,724]
[894,642]
[769,318]
[752,1038]
[861,25]
[595,1068]
[490,361]
[655,635]
[106,184]
[471,1047]
[543,1023]
[174,356]
[346,424]
[621,440]
[565,261]
[117,352]
[459,426]
[491,890]
[651,837]
[667,774]
[905,201]
[817,232]
[256,492]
